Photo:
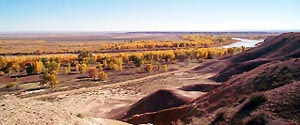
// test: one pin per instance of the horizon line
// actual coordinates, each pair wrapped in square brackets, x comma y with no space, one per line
[149,31]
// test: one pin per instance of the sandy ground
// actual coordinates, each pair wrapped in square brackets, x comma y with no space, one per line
[98,101]
[93,104]
[15,111]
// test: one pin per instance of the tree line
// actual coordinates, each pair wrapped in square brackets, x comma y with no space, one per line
[96,64]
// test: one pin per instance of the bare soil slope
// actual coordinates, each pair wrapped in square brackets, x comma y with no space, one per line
[263,91]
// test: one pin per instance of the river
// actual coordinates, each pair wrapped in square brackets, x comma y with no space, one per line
[243,42]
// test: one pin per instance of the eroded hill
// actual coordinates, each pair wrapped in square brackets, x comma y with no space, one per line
[260,86]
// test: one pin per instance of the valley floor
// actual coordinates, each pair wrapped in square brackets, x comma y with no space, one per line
[99,102]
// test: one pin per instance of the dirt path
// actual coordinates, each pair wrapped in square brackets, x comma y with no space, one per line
[82,90]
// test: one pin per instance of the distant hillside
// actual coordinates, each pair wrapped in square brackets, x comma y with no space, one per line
[120,36]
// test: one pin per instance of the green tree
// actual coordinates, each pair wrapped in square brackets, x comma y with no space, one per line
[29,69]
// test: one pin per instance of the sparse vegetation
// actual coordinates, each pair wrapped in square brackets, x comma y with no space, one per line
[50,78]
[83,68]
[258,119]
[93,73]
[102,76]
[254,101]
[149,68]
[165,67]
[149,57]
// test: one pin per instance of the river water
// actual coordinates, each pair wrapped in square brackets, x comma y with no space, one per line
[243,42]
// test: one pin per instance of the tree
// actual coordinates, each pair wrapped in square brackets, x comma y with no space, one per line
[116,64]
[77,67]
[65,70]
[105,63]
[138,62]
[149,68]
[83,54]
[230,51]
[168,56]
[3,63]
[100,66]
[29,69]
[181,55]
[209,55]
[12,66]
[50,78]
[93,73]
[38,67]
[137,59]
[102,76]
[69,68]
[82,68]
[52,65]
[165,67]
[124,57]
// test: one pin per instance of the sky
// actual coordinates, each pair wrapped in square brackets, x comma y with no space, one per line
[149,15]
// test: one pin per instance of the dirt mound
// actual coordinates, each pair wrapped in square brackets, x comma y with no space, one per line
[159,100]
[263,90]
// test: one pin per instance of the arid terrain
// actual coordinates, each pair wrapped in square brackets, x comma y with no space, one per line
[250,86]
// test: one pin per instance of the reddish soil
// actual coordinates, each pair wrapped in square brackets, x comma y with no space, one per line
[159,100]
[262,89]
[281,47]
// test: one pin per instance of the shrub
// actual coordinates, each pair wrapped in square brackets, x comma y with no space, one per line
[102,76]
[99,65]
[105,63]
[138,62]
[3,62]
[52,65]
[38,67]
[85,56]
[255,101]
[79,115]
[209,55]
[115,67]
[165,67]
[29,70]
[12,66]
[69,67]
[11,85]
[149,68]
[77,67]
[50,78]
[93,72]
[82,68]
[259,119]
[65,70]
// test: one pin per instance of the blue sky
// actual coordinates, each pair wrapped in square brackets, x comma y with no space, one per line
[149,15]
